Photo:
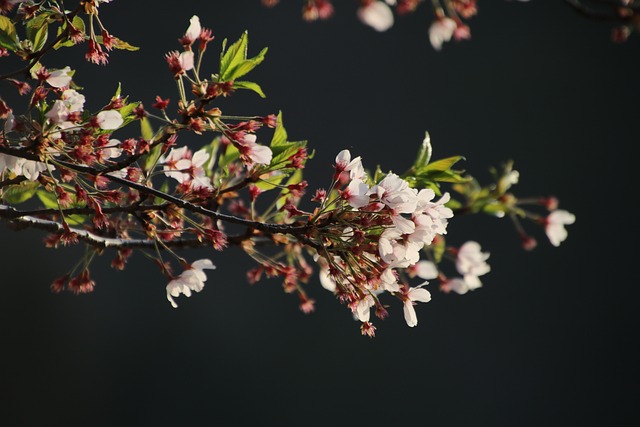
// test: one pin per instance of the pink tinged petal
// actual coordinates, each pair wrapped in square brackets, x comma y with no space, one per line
[261,154]
[404,225]
[419,294]
[60,78]
[410,314]
[194,28]
[389,280]
[377,15]
[109,119]
[363,309]
[426,270]
[186,60]
[343,158]
[202,264]
[199,158]
[58,112]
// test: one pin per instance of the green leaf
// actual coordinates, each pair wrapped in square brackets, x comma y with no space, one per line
[230,59]
[244,67]
[38,31]
[123,45]
[282,153]
[146,131]
[20,193]
[442,164]
[271,182]
[8,35]
[249,85]
[280,134]
[48,199]
[424,154]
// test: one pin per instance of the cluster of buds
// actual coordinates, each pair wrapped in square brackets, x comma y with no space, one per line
[75,174]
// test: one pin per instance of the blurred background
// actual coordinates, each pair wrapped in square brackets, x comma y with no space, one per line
[547,341]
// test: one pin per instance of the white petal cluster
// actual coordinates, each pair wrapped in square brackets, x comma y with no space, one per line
[416,219]
[554,225]
[440,31]
[189,280]
[186,168]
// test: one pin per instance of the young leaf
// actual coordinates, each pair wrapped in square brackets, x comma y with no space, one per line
[280,134]
[236,53]
[249,85]
[424,154]
[38,31]
[20,193]
[8,35]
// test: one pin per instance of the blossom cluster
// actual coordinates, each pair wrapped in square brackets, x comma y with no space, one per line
[74,174]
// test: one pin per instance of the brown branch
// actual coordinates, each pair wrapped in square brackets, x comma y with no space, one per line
[92,239]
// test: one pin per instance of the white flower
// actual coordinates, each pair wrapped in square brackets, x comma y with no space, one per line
[189,280]
[426,270]
[554,225]
[111,150]
[73,100]
[377,15]
[414,294]
[354,167]
[363,309]
[326,280]
[470,262]
[395,192]
[109,119]
[31,169]
[60,78]
[356,194]
[440,31]
[193,32]
[58,113]
[11,163]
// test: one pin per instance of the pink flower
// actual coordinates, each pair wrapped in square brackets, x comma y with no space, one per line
[251,152]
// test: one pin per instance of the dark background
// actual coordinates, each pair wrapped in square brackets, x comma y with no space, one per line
[549,339]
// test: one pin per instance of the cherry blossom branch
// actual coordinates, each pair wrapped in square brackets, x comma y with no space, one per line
[35,57]
[295,230]
[28,219]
